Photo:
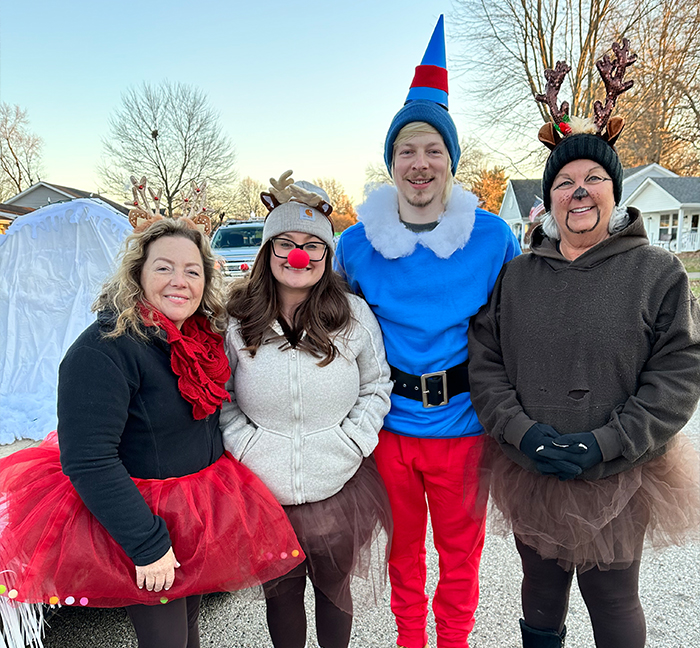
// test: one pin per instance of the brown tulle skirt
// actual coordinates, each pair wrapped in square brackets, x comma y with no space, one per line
[599,523]
[346,541]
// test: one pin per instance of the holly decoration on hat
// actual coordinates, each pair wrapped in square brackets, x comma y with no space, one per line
[563,126]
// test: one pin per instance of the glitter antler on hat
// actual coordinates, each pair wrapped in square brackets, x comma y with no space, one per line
[609,128]
[283,190]
[612,73]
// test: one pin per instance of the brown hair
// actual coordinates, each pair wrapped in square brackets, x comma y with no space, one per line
[323,314]
[122,293]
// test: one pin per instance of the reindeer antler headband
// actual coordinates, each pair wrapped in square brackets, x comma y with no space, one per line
[142,215]
[609,128]
[294,208]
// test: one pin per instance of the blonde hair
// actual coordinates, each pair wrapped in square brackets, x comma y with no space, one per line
[424,128]
[122,293]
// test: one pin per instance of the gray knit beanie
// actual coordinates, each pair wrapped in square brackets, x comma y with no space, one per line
[295,216]
[582,147]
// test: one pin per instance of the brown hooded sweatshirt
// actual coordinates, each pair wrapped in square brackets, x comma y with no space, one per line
[608,343]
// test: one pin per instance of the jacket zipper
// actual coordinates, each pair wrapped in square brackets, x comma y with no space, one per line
[296,426]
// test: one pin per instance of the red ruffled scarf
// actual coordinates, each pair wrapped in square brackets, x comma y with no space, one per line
[198,359]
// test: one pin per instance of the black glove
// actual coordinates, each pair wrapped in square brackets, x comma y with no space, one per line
[541,437]
[538,436]
[581,449]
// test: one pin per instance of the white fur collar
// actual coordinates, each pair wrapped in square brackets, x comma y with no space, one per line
[389,237]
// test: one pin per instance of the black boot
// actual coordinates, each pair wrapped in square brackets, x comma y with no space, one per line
[533,638]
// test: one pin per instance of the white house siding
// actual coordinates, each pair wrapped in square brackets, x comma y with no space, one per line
[632,182]
[40,196]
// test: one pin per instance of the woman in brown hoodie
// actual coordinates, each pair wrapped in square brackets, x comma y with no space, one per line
[584,367]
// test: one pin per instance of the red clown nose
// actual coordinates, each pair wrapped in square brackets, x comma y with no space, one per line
[298,258]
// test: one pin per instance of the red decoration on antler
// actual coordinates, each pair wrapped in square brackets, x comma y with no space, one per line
[612,73]
[555,78]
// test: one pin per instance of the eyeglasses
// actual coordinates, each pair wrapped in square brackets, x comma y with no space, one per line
[281,247]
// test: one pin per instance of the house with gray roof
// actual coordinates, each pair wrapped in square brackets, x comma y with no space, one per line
[671,211]
[45,193]
[518,200]
[8,213]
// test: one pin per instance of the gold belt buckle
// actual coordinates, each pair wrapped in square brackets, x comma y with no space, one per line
[425,392]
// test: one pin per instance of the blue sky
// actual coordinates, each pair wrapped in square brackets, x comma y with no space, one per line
[307,85]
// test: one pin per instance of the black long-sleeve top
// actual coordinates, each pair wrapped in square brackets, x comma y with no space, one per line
[120,415]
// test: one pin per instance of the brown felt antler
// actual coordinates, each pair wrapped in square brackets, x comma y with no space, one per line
[612,73]
[555,78]
[283,190]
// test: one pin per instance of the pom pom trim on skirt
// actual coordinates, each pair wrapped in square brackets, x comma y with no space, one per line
[227,531]
[599,523]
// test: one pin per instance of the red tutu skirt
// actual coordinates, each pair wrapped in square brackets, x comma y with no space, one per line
[227,530]
[601,523]
[346,541]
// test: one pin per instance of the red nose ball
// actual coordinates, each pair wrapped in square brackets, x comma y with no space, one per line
[298,258]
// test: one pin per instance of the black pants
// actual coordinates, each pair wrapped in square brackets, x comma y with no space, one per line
[611,596]
[173,625]
[286,615]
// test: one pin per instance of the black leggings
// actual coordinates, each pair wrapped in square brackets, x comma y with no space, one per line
[612,599]
[173,625]
[286,615]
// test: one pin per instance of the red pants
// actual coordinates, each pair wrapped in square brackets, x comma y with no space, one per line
[446,472]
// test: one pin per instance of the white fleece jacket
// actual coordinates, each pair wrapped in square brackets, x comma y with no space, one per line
[301,428]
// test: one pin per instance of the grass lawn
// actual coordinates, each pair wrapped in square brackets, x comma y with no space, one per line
[691,261]
[695,287]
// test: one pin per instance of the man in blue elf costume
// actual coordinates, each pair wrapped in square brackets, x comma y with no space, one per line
[426,258]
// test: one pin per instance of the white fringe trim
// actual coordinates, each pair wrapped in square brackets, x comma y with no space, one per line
[22,624]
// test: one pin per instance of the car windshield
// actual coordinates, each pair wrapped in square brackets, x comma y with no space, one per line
[236,238]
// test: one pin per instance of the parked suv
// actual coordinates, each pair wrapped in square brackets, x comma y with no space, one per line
[238,243]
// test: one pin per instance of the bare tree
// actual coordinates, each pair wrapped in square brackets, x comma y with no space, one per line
[376,174]
[20,151]
[662,109]
[507,45]
[472,162]
[344,214]
[246,201]
[171,134]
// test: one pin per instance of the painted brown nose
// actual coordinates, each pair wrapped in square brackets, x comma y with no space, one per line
[580,193]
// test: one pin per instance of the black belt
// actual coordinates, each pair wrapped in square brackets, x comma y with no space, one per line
[434,388]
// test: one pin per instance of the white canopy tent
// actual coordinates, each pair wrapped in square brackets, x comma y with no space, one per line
[52,264]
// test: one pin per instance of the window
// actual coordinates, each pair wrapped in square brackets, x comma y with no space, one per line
[668,227]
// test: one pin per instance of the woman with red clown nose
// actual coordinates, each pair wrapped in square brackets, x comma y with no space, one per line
[309,392]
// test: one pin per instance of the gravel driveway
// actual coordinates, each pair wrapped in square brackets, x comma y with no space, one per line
[670,590]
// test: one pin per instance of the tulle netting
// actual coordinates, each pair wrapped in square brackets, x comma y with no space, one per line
[599,523]
[346,541]
[227,531]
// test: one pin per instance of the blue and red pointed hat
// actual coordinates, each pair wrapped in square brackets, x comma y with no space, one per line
[430,79]
[427,100]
